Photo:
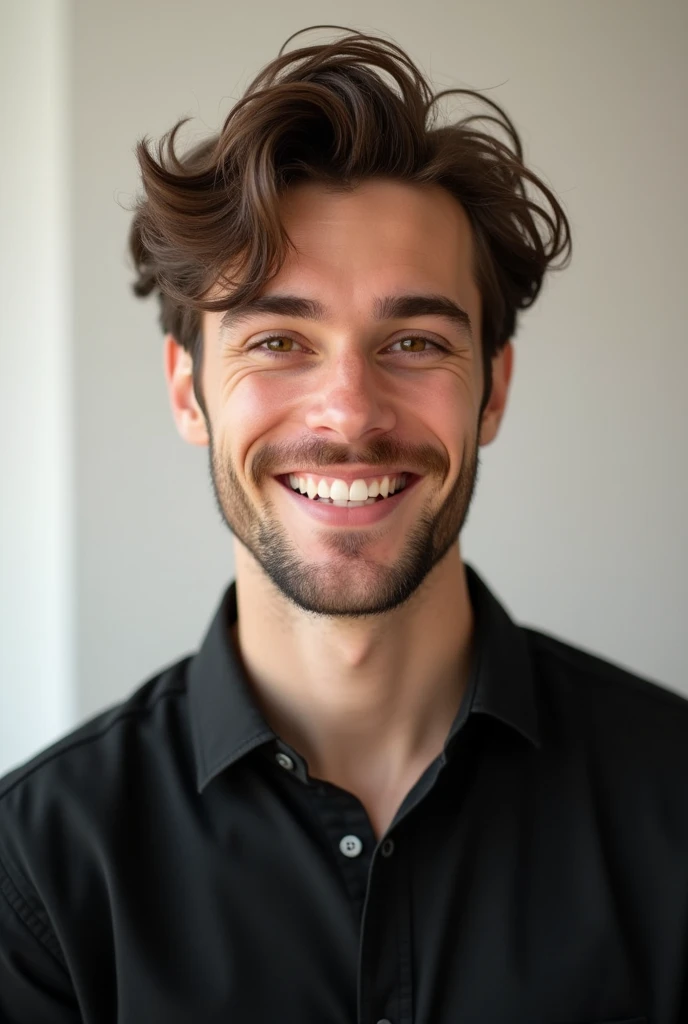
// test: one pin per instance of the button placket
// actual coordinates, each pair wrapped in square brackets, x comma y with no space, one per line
[343,817]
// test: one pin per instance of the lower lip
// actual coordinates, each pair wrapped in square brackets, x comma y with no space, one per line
[336,515]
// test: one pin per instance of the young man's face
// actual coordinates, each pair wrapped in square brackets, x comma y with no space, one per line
[352,396]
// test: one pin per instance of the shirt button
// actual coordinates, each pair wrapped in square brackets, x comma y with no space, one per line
[285,761]
[387,849]
[351,846]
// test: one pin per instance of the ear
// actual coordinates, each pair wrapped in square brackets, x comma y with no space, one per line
[502,366]
[187,413]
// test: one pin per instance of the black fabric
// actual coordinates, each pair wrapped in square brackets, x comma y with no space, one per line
[164,863]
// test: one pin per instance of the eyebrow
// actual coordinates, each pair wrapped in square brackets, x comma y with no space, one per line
[391,307]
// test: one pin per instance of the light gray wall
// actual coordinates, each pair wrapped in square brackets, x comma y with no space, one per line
[579,523]
[36,556]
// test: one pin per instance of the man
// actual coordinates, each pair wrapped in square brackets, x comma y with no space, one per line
[370,796]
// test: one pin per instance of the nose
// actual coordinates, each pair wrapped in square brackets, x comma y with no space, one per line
[349,404]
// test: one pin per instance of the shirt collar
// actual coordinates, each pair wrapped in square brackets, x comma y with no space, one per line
[227,723]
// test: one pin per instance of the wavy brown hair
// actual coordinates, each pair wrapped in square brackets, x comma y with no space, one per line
[336,113]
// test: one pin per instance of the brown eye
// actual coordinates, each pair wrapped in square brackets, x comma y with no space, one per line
[279,344]
[413,344]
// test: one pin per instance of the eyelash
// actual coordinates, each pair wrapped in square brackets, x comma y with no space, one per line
[410,337]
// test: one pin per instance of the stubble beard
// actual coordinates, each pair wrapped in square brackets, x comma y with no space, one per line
[354,585]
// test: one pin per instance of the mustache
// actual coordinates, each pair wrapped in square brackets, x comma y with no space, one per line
[281,456]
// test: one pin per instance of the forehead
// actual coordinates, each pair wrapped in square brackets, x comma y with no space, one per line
[382,237]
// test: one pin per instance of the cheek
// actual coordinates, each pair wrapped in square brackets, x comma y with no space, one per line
[257,405]
[445,405]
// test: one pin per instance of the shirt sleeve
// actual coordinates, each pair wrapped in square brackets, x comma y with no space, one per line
[35,987]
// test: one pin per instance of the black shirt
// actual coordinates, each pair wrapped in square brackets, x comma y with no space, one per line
[173,862]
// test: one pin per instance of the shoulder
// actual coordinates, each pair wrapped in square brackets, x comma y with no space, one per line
[593,677]
[64,811]
[611,709]
[101,750]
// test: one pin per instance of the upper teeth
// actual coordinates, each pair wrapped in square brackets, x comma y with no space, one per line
[339,490]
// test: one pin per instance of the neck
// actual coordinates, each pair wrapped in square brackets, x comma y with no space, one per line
[367,701]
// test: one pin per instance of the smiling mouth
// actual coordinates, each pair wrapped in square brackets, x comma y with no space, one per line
[333,491]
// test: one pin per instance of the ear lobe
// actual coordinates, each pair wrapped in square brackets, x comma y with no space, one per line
[187,414]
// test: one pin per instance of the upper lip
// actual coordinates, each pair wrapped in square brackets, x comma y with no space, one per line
[348,474]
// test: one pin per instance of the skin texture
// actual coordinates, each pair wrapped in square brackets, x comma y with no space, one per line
[369,623]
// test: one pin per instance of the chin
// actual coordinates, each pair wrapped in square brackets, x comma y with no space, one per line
[346,583]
